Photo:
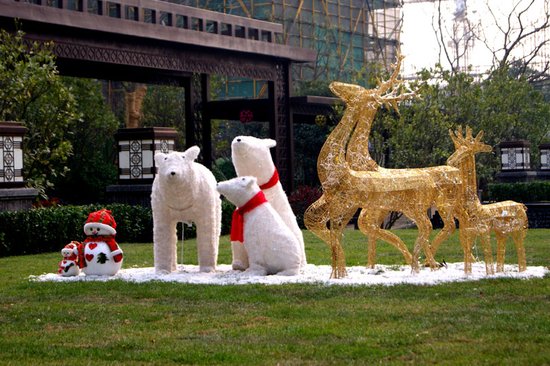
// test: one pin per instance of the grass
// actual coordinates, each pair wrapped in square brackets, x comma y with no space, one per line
[488,322]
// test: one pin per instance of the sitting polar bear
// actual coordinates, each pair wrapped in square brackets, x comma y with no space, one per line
[251,157]
[272,248]
[184,191]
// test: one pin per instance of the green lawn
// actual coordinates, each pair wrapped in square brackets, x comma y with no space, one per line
[489,322]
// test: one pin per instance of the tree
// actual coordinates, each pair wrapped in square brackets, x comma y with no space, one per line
[503,106]
[518,28]
[454,40]
[92,166]
[31,92]
[504,29]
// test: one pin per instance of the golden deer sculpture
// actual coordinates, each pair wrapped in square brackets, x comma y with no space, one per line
[352,180]
[507,218]
[316,216]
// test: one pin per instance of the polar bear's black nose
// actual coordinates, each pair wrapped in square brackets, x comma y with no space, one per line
[173,173]
[238,140]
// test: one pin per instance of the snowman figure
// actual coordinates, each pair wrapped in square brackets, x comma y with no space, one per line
[102,255]
[70,264]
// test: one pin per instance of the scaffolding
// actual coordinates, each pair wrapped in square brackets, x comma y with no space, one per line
[350,36]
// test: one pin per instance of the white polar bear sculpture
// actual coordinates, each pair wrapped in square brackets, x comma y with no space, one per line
[272,248]
[251,157]
[184,191]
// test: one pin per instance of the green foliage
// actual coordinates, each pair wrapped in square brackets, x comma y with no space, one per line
[32,92]
[308,140]
[92,166]
[227,214]
[301,199]
[49,229]
[223,169]
[537,191]
[505,107]
[164,106]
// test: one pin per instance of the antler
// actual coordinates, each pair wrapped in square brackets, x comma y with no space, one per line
[384,86]
[390,99]
[473,143]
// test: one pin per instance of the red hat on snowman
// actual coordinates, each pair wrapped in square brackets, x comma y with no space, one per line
[103,220]
[101,226]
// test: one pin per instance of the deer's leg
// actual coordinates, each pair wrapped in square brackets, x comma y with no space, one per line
[501,250]
[487,252]
[316,219]
[466,236]
[339,217]
[423,242]
[449,227]
[369,223]
[519,238]
[419,216]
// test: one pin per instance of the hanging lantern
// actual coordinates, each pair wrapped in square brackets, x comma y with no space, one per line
[246,116]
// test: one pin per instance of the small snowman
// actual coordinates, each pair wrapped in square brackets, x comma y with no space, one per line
[70,264]
[102,255]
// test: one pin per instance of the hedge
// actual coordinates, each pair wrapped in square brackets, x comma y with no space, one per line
[537,191]
[41,230]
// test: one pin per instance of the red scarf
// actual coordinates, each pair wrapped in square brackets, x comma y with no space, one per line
[237,223]
[272,181]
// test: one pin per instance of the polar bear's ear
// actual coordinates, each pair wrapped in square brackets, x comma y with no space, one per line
[192,153]
[159,158]
[269,143]
[251,181]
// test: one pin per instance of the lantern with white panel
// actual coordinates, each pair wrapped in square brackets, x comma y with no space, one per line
[515,162]
[13,193]
[136,150]
[515,155]
[11,154]
[544,156]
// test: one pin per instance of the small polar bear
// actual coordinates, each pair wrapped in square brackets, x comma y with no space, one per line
[184,191]
[251,156]
[272,248]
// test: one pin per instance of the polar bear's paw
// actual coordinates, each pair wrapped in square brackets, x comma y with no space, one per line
[162,272]
[207,269]
[289,272]
[238,266]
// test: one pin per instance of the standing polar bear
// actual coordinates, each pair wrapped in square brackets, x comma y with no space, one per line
[184,191]
[272,248]
[251,157]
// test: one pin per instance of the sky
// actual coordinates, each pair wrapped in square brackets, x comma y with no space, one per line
[419,40]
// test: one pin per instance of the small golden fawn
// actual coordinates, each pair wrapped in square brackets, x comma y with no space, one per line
[507,218]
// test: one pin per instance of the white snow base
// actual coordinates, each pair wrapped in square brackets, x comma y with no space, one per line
[312,274]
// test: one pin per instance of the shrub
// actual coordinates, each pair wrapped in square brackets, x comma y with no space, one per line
[536,191]
[301,199]
[48,229]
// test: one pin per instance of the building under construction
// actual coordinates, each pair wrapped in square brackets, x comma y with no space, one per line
[350,36]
